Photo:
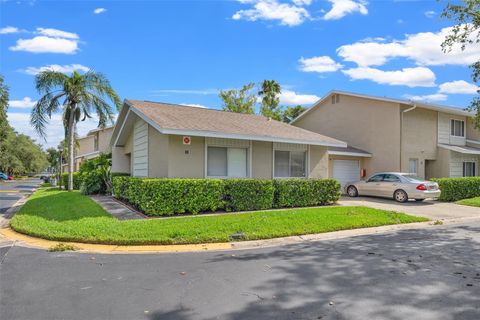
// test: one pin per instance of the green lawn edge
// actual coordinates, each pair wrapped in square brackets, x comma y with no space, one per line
[472,202]
[69,216]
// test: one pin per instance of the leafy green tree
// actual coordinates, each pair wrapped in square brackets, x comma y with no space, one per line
[270,91]
[78,97]
[5,129]
[290,113]
[241,101]
[465,32]
[53,158]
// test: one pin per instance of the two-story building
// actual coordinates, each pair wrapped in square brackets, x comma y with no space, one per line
[394,135]
[96,141]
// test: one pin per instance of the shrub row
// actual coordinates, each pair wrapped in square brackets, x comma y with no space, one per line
[454,189]
[77,180]
[166,196]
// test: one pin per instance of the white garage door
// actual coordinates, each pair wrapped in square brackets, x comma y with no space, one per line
[346,171]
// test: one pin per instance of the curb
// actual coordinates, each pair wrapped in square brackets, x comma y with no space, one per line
[29,241]
[5,220]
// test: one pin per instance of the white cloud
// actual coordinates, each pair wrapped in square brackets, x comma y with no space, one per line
[196,105]
[430,14]
[25,103]
[319,64]
[423,48]
[9,29]
[49,40]
[55,33]
[289,97]
[367,54]
[302,2]
[340,8]
[67,68]
[458,87]
[287,14]
[99,10]
[428,97]
[42,44]
[410,77]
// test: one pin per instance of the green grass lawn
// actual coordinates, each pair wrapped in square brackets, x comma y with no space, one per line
[70,216]
[474,202]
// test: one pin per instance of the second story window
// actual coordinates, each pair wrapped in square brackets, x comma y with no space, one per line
[95,142]
[335,98]
[457,128]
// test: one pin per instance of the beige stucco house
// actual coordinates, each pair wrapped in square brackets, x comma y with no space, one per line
[153,139]
[394,135]
[96,141]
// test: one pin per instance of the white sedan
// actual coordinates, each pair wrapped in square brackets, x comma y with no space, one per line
[399,186]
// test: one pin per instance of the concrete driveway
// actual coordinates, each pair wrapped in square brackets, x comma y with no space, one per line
[435,210]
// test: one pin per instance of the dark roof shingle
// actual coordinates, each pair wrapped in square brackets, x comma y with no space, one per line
[186,118]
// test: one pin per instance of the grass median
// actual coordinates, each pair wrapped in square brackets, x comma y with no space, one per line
[69,216]
[473,202]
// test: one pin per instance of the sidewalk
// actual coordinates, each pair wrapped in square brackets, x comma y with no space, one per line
[116,208]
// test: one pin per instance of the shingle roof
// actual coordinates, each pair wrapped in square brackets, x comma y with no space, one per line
[183,120]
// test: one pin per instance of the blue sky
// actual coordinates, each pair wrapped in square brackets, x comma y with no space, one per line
[185,51]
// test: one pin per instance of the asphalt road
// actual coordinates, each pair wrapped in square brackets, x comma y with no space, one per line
[12,191]
[416,274]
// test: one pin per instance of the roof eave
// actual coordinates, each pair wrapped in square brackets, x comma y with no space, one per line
[419,104]
[349,154]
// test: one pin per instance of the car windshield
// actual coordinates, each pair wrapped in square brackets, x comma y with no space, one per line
[412,177]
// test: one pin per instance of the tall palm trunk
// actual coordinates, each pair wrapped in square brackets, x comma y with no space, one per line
[71,136]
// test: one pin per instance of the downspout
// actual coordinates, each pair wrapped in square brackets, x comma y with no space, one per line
[414,106]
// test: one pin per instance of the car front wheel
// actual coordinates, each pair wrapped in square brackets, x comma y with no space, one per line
[352,191]
[400,196]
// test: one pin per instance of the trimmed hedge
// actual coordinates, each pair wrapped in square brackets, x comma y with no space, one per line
[77,180]
[454,189]
[248,194]
[305,192]
[170,196]
[166,196]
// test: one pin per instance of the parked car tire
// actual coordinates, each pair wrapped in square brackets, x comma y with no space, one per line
[352,191]
[400,196]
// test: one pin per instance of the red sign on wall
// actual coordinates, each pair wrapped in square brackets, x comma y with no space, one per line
[187,140]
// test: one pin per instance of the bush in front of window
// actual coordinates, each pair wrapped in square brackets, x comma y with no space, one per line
[454,189]
[248,194]
[167,196]
[305,192]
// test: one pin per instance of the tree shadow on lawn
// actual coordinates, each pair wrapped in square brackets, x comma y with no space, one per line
[413,274]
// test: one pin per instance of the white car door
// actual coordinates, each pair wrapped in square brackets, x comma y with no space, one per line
[390,183]
[372,186]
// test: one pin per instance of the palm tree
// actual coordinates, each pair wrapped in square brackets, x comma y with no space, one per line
[78,96]
[270,91]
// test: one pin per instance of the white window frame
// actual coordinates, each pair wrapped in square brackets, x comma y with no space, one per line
[249,161]
[452,128]
[474,168]
[95,142]
[416,165]
[307,163]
